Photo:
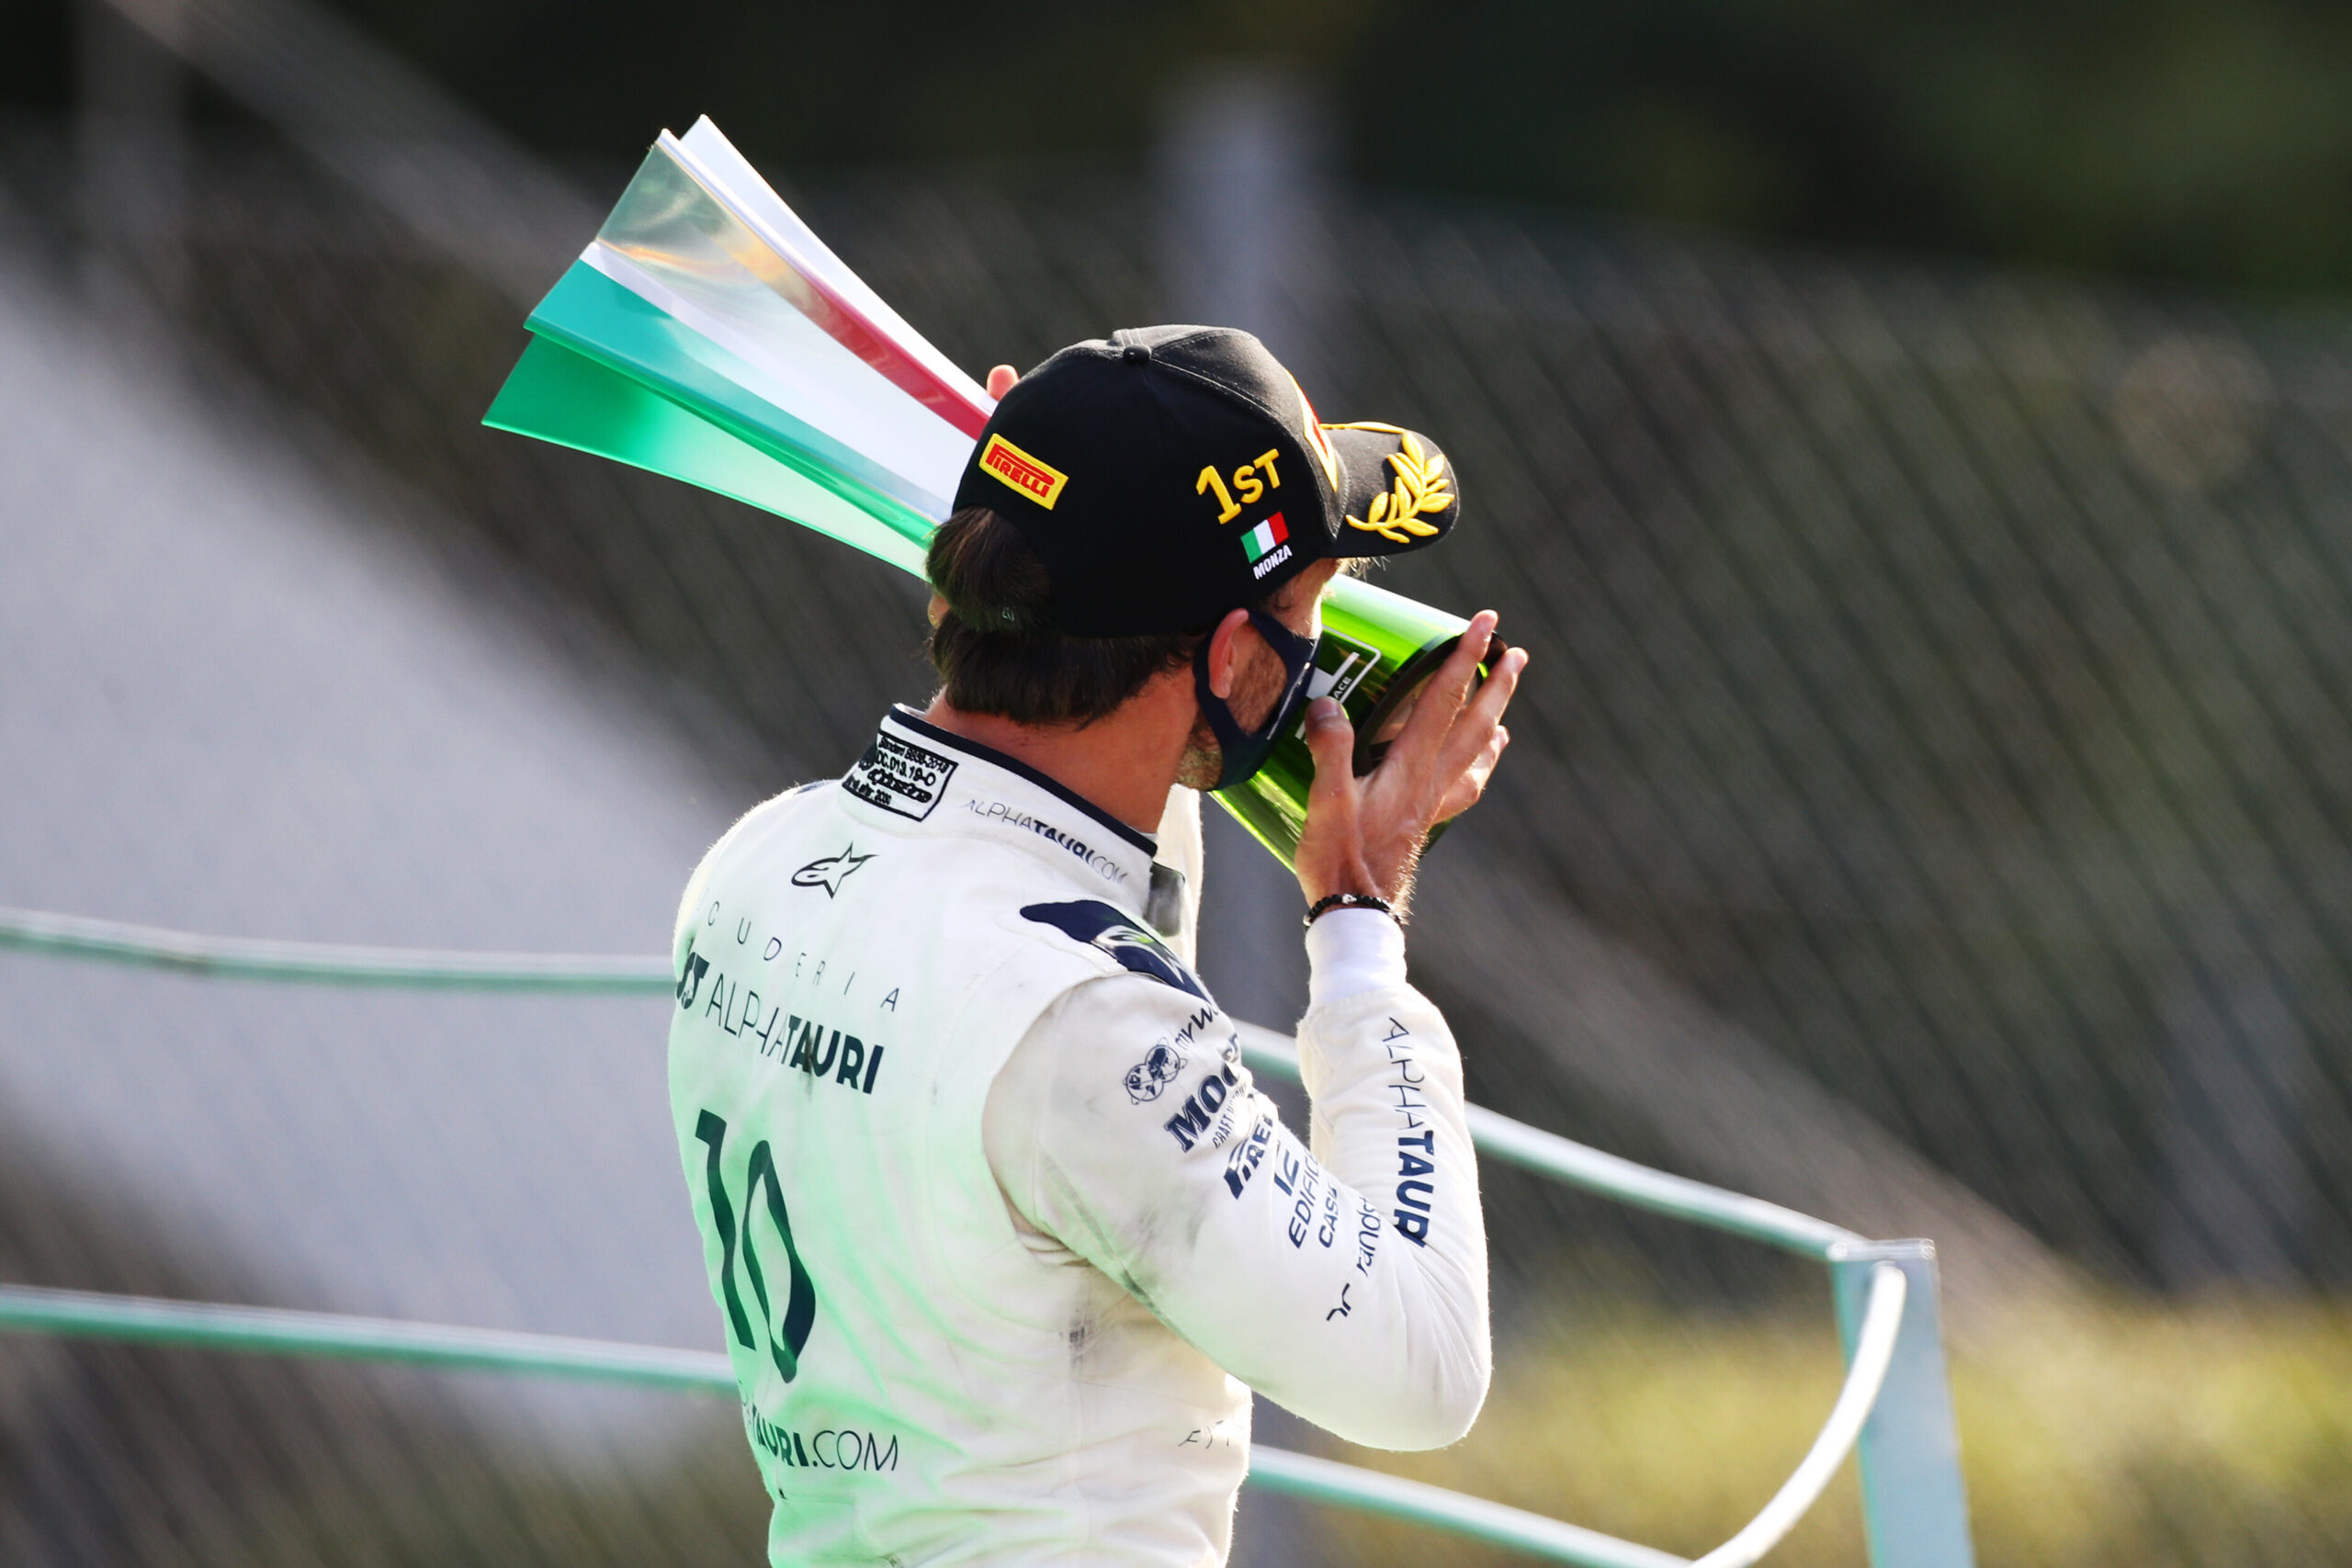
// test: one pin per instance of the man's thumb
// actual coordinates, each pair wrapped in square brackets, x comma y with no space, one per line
[1332,741]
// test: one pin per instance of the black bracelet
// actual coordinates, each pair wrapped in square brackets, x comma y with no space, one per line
[1330,901]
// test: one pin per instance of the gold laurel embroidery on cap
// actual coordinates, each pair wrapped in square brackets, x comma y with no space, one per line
[1422,486]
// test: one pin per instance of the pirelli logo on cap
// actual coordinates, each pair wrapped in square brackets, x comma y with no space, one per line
[1041,482]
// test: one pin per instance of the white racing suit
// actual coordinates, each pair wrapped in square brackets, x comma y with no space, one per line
[1001,1233]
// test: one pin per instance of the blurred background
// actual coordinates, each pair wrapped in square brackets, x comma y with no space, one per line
[1916,446]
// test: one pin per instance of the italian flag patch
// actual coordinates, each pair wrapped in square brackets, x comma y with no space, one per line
[1262,539]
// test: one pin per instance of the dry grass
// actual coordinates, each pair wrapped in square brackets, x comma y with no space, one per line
[2217,1435]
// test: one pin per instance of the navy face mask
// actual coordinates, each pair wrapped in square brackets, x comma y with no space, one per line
[1245,753]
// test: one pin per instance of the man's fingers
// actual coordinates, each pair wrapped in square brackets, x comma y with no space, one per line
[1331,739]
[1470,786]
[1366,833]
[1441,700]
[1482,715]
[1001,380]
[1332,857]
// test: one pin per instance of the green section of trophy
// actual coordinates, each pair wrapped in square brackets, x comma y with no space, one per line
[1379,651]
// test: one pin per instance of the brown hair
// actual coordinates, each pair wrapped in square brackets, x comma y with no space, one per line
[992,652]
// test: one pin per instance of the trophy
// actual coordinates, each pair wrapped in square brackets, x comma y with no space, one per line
[707,333]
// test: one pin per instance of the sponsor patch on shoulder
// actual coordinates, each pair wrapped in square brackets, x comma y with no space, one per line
[898,775]
[1155,1072]
[1098,925]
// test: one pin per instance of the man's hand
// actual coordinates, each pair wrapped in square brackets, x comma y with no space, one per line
[1001,380]
[1365,835]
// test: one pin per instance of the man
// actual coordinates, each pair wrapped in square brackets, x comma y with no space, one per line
[1000,1230]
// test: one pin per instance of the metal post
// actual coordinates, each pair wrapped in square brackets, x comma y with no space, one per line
[132,162]
[1915,1505]
[1242,165]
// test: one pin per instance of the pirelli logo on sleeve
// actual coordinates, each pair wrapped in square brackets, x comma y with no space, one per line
[1041,482]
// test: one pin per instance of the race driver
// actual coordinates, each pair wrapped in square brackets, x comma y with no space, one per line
[1001,1233]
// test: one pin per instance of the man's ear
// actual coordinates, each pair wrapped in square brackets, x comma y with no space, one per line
[937,608]
[1224,652]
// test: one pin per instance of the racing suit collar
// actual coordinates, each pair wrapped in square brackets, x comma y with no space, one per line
[915,770]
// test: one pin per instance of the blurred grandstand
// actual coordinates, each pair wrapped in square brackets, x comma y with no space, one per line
[1931,807]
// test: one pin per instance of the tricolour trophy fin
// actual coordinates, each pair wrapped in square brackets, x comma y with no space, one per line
[570,399]
[760,349]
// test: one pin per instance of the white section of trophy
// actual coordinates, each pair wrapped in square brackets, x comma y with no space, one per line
[763,304]
[711,154]
[870,427]
[674,245]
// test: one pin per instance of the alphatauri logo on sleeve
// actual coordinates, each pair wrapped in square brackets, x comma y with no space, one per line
[1105,929]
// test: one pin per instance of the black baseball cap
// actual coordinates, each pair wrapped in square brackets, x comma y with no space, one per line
[1166,475]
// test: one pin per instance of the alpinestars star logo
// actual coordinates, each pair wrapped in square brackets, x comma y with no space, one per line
[831,871]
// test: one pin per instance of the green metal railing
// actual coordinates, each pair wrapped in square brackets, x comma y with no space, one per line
[1894,1403]
[248,958]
